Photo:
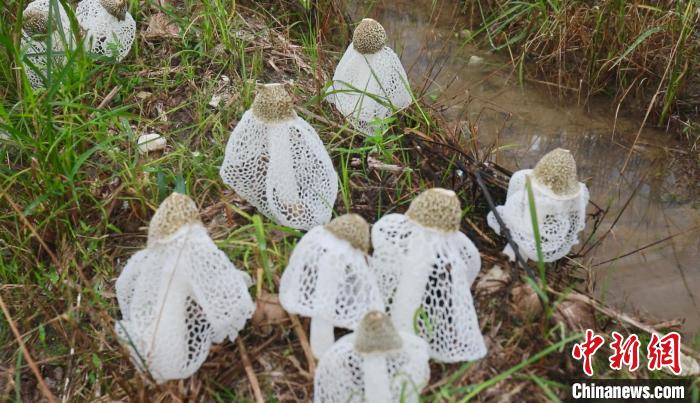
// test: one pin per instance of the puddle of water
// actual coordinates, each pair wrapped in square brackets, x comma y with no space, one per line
[662,280]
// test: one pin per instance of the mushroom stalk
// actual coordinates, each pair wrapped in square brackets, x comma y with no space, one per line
[322,336]
[282,161]
[376,378]
[409,293]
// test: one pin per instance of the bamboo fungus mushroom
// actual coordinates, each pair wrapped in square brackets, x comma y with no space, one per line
[369,82]
[425,267]
[328,279]
[179,295]
[44,22]
[276,161]
[109,28]
[376,364]
[560,203]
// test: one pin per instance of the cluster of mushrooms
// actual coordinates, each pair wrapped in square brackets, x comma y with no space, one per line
[107,26]
[402,286]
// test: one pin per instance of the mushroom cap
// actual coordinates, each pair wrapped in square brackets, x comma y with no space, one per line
[272,103]
[117,8]
[436,208]
[352,228]
[557,171]
[369,36]
[376,334]
[35,21]
[174,212]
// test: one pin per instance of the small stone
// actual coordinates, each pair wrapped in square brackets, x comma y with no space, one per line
[475,61]
[151,142]
[215,101]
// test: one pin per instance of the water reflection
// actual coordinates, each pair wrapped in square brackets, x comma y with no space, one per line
[662,280]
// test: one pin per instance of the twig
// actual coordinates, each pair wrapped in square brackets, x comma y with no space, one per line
[504,228]
[479,231]
[647,246]
[617,218]
[30,361]
[110,96]
[254,384]
[619,316]
[31,228]
[304,341]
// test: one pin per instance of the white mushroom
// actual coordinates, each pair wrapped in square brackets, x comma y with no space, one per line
[425,267]
[39,19]
[369,82]
[179,294]
[109,28]
[376,364]
[560,203]
[328,279]
[276,161]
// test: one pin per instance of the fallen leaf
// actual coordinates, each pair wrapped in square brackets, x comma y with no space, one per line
[268,311]
[160,27]
[575,314]
[494,280]
[526,304]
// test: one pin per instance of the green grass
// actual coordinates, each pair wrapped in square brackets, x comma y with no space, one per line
[76,197]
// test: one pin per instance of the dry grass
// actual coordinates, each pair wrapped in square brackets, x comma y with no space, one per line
[644,54]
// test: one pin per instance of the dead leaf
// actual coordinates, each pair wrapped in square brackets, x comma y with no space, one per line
[526,303]
[575,314]
[494,280]
[268,311]
[161,27]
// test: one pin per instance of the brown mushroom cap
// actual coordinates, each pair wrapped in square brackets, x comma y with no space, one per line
[35,21]
[352,228]
[436,208]
[369,36]
[117,8]
[557,171]
[272,103]
[175,211]
[376,334]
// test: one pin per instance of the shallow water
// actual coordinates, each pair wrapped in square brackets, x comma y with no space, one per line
[661,281]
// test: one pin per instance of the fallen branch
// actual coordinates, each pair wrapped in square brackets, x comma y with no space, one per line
[619,316]
[304,341]
[250,373]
